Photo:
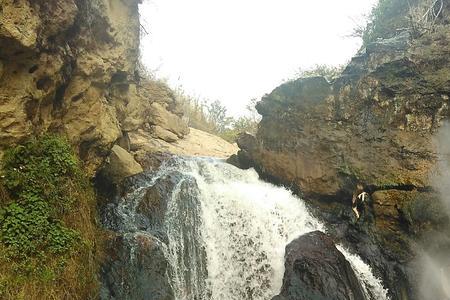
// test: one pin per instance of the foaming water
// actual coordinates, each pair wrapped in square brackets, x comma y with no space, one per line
[246,225]
[227,231]
[372,286]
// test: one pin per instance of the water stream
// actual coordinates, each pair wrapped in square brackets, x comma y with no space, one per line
[226,231]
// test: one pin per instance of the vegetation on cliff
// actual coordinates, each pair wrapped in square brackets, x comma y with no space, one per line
[389,17]
[48,234]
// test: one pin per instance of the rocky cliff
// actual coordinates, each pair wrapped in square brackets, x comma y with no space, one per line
[376,124]
[71,66]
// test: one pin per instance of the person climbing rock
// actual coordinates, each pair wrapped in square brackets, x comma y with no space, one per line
[358,198]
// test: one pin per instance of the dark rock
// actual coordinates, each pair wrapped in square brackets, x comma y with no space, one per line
[316,270]
[139,277]
[144,211]
[242,159]
[246,141]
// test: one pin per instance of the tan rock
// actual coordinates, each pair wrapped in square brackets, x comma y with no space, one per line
[196,143]
[159,116]
[71,69]
[163,134]
[121,164]
[53,86]
[20,22]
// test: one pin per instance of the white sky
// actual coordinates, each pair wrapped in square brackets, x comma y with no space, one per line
[235,50]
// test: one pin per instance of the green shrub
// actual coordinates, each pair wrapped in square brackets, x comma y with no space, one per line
[49,242]
[39,176]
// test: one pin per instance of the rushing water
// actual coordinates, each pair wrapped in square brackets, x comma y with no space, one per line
[227,231]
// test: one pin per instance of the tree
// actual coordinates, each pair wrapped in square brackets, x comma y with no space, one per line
[217,115]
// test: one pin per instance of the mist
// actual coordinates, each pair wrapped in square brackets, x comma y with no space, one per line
[434,265]
[442,181]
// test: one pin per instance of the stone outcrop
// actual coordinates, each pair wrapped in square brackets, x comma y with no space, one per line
[71,66]
[315,269]
[149,151]
[373,126]
[376,124]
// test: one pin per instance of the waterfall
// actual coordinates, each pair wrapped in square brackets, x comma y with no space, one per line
[226,231]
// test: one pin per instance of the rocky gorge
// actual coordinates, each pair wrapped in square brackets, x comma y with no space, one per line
[177,227]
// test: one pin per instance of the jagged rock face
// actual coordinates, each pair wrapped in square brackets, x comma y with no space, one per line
[315,269]
[374,124]
[70,66]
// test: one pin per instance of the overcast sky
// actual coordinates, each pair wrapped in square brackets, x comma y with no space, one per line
[235,50]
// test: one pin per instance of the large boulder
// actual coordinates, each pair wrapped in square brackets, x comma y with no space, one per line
[316,270]
[120,164]
[152,221]
[135,268]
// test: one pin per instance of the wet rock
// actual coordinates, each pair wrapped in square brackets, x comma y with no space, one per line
[420,214]
[247,144]
[315,269]
[151,209]
[247,141]
[135,268]
[148,215]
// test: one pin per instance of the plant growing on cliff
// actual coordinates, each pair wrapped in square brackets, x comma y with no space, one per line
[38,175]
[424,15]
[390,17]
[46,224]
[387,18]
[329,72]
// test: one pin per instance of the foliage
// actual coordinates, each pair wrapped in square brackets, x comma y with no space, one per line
[425,15]
[37,175]
[217,115]
[389,17]
[386,19]
[46,225]
[212,117]
[328,72]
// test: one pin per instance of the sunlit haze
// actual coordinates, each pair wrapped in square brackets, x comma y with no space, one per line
[236,50]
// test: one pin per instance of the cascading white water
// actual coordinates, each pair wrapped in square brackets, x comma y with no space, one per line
[242,225]
[372,286]
[222,230]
